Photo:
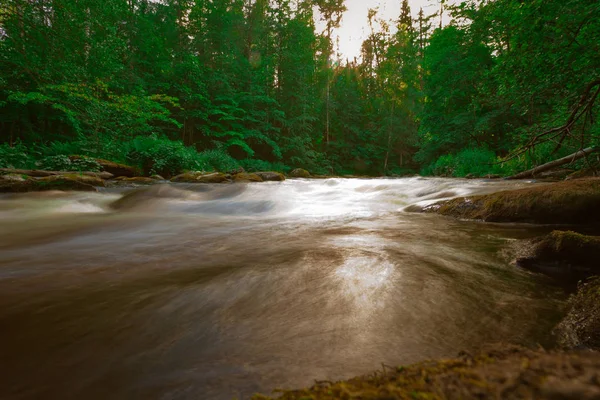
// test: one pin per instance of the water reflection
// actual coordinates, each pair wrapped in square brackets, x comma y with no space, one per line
[366,281]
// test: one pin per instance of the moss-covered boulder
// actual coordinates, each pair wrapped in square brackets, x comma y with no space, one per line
[271,176]
[564,255]
[201,177]
[55,182]
[506,372]
[569,202]
[299,173]
[246,177]
[112,167]
[581,327]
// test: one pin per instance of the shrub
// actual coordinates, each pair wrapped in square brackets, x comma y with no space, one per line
[64,163]
[16,156]
[158,155]
[474,161]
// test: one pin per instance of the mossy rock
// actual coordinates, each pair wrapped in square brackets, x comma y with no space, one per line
[246,177]
[88,179]
[112,167]
[565,255]
[581,327]
[158,177]
[56,182]
[271,176]
[507,372]
[299,173]
[201,177]
[569,202]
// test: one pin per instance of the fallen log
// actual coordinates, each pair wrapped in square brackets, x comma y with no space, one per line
[36,173]
[556,163]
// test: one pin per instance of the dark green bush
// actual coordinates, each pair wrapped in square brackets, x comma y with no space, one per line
[64,163]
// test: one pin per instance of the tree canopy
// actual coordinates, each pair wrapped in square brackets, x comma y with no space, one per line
[506,85]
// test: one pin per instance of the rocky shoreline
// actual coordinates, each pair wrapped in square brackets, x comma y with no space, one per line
[114,174]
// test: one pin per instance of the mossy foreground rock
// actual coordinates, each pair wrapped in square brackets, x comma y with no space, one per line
[201,177]
[572,202]
[561,254]
[502,373]
[581,327]
[299,173]
[56,182]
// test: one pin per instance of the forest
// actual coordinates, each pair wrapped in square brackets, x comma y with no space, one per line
[176,85]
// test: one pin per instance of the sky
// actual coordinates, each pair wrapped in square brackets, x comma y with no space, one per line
[354,27]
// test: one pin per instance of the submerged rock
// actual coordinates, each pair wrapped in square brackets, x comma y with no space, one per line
[246,177]
[201,177]
[507,372]
[299,173]
[55,182]
[137,179]
[561,254]
[271,176]
[570,202]
[581,327]
[141,197]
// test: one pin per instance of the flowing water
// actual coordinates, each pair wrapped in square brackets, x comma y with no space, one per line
[216,292]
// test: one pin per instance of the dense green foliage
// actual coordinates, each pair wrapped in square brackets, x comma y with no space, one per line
[173,85]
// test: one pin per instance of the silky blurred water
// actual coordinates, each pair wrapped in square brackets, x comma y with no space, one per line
[218,291]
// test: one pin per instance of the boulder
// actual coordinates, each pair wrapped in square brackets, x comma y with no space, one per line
[201,177]
[271,176]
[246,177]
[55,182]
[112,167]
[564,255]
[568,202]
[158,177]
[299,173]
[87,179]
[580,329]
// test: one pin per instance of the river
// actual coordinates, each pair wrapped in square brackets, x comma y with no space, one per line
[216,292]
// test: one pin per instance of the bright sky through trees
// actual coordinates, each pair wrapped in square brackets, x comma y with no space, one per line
[355,28]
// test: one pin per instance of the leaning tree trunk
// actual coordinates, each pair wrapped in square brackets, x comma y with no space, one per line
[556,163]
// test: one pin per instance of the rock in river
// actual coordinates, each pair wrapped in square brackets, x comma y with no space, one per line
[565,255]
[246,177]
[271,176]
[570,202]
[201,177]
[299,173]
